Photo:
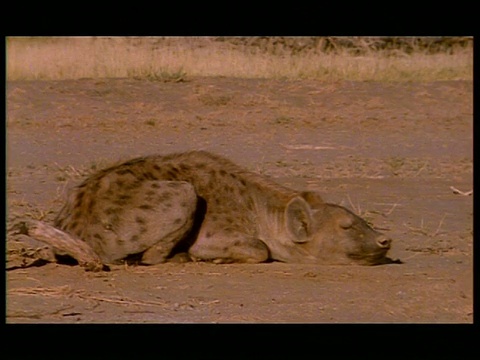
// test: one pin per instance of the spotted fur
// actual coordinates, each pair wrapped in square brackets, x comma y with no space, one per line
[222,212]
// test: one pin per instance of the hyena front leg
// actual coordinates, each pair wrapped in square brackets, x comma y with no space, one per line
[227,244]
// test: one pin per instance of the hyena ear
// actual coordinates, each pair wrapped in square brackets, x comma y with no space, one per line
[313,198]
[298,219]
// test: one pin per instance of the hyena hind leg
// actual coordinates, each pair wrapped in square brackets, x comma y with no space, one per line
[151,231]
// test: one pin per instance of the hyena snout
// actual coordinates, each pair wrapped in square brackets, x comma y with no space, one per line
[383,242]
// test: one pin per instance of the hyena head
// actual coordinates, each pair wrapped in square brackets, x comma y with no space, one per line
[318,232]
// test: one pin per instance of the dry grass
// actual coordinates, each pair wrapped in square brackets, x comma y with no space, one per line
[425,231]
[175,59]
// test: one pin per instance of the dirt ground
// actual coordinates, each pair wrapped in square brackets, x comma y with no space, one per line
[388,151]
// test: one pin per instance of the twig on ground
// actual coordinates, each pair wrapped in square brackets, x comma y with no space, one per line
[424,231]
[68,291]
[417,230]
[60,240]
[439,225]
[357,211]
[391,210]
[307,147]
[464,193]
[421,169]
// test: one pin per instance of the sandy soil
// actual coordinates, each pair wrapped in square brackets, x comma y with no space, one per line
[388,151]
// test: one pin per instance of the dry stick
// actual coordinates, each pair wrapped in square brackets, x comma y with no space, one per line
[391,210]
[421,169]
[425,232]
[418,230]
[464,193]
[121,301]
[66,290]
[439,225]
[62,241]
[353,206]
[307,147]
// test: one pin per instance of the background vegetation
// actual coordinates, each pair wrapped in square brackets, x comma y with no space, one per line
[177,58]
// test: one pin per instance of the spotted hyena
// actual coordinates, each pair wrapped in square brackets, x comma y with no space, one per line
[203,204]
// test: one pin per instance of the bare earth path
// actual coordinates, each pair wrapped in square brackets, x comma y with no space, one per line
[389,151]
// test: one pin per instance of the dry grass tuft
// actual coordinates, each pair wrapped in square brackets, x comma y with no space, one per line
[175,59]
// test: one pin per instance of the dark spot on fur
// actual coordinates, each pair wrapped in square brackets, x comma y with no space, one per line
[109,192]
[97,236]
[149,176]
[112,210]
[134,184]
[124,171]
[184,167]
[114,219]
[81,186]
[223,172]
[79,198]
[119,182]
[77,214]
[208,234]
[164,196]
[73,225]
[171,175]
[156,167]
[167,205]
[146,207]
[135,161]
[244,183]
[150,192]
[122,199]
[237,243]
[134,238]
[155,185]
[177,221]
[143,230]
[95,186]
[213,217]
[91,205]
[140,220]
[229,220]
